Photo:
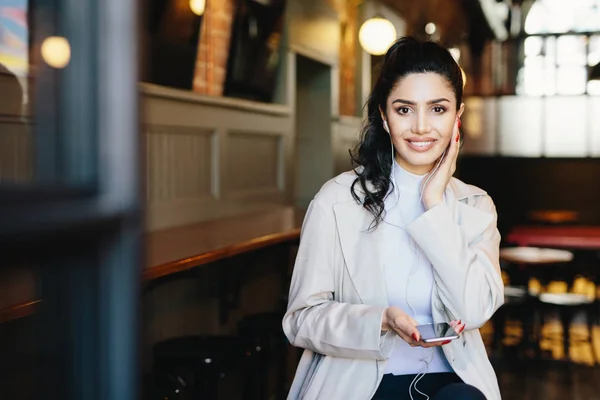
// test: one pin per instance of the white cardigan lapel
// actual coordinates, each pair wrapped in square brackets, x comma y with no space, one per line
[362,247]
[362,250]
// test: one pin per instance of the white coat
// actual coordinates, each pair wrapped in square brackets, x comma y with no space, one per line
[338,293]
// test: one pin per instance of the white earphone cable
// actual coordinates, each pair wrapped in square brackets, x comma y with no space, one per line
[423,372]
[420,376]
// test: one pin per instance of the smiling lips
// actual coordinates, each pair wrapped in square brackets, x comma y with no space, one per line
[421,144]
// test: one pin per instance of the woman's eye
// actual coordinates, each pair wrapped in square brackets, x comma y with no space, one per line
[438,109]
[403,110]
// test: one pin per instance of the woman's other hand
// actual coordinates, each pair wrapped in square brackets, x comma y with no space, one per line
[458,326]
[433,192]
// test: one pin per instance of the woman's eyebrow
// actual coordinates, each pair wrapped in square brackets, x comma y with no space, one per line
[412,103]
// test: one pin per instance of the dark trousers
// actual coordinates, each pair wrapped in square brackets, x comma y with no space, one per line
[443,386]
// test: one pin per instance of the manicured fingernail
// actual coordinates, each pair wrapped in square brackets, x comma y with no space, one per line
[461,329]
[414,335]
[446,342]
[457,137]
[459,123]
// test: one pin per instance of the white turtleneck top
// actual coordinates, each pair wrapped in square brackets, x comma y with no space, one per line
[409,274]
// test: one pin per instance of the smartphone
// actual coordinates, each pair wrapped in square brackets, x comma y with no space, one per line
[431,333]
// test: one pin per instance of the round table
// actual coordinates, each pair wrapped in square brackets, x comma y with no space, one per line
[530,261]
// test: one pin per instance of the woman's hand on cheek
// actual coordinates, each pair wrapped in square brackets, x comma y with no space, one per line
[433,192]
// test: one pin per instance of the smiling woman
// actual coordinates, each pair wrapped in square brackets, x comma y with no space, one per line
[421,128]
[394,245]
[417,102]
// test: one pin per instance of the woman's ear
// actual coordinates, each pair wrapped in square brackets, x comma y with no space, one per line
[460,111]
[383,117]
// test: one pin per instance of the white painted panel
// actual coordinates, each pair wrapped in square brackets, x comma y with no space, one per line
[253,162]
[520,126]
[179,163]
[566,126]
[189,156]
[345,137]
[479,126]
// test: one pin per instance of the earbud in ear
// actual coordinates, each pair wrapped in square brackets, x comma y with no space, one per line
[386,126]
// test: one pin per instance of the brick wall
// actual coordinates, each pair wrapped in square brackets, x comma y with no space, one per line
[213,49]
[348,49]
[348,12]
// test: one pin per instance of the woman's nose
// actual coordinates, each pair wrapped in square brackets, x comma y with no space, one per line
[421,124]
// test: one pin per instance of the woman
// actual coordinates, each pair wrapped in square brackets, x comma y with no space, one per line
[396,243]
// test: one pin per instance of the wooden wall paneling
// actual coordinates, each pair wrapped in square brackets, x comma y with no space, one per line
[254,164]
[189,138]
[179,164]
[522,184]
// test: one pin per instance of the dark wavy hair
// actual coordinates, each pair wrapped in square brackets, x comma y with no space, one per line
[372,158]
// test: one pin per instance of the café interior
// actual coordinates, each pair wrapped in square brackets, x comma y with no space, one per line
[157,159]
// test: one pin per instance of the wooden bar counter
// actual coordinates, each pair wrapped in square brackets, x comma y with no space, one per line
[182,248]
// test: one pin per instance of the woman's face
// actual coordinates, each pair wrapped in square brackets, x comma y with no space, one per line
[421,114]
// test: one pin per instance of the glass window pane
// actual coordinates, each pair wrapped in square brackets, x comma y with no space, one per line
[566,137]
[46,133]
[550,81]
[571,50]
[536,81]
[559,19]
[594,50]
[16,147]
[533,46]
[550,51]
[561,16]
[593,89]
[520,126]
[535,61]
[588,19]
[571,80]
[531,81]
[535,22]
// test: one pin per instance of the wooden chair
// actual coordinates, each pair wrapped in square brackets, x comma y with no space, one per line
[521,265]
[265,333]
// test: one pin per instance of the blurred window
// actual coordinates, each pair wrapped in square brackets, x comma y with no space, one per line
[562,43]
